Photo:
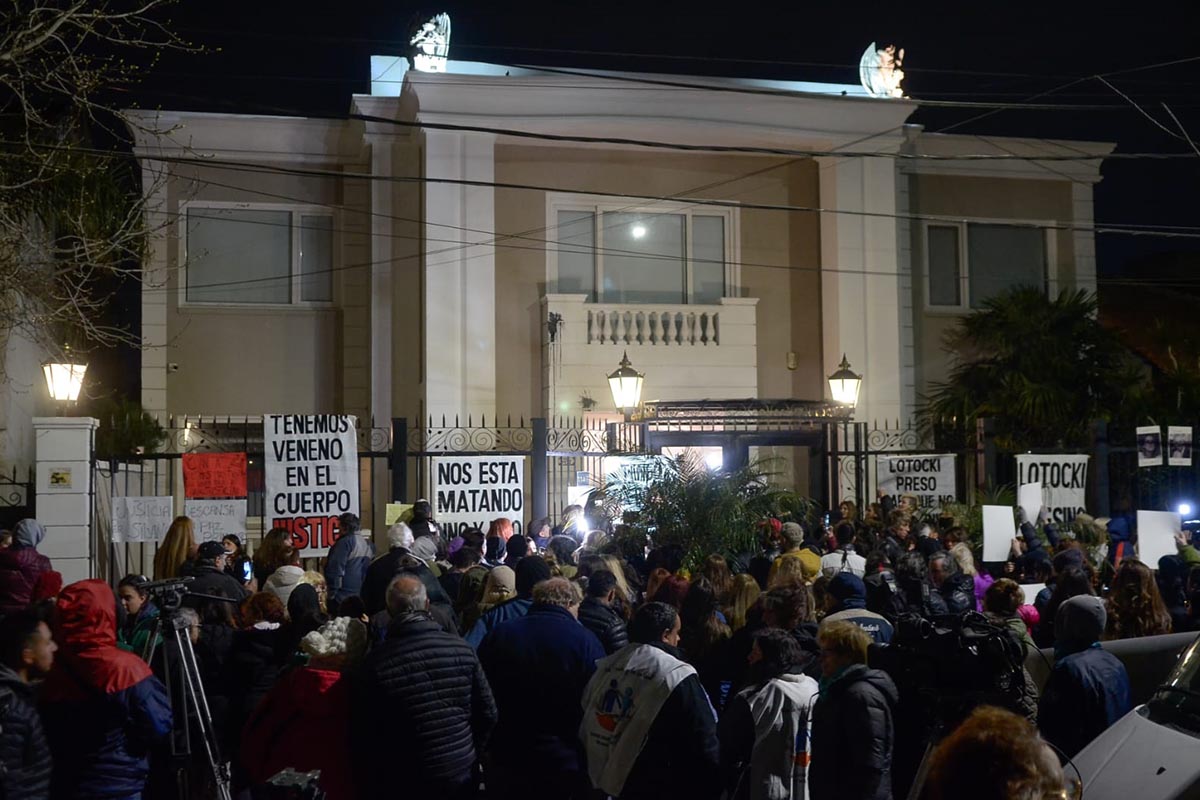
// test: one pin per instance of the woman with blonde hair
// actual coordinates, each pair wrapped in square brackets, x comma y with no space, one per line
[317,581]
[177,548]
[786,571]
[961,553]
[743,594]
[625,596]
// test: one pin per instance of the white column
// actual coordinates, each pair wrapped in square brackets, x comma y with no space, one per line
[382,265]
[154,290]
[860,279]
[64,492]
[1084,238]
[460,279]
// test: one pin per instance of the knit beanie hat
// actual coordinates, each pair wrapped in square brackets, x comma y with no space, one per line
[399,535]
[531,570]
[1080,621]
[846,585]
[424,548]
[339,636]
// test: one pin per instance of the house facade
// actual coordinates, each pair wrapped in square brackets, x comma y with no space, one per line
[489,241]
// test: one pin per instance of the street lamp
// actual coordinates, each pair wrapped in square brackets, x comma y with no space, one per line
[64,378]
[626,385]
[844,384]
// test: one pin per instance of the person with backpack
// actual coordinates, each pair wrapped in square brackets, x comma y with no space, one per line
[844,559]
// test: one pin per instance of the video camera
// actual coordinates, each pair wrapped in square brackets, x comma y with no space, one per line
[167,594]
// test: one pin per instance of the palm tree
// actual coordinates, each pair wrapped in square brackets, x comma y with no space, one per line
[1042,369]
[702,511]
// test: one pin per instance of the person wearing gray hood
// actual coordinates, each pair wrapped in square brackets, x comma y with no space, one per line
[21,565]
[1088,689]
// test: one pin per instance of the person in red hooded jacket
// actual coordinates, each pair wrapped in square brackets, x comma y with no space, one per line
[102,708]
[21,565]
[283,730]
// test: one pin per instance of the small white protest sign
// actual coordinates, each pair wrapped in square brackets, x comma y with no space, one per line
[1156,535]
[999,530]
[1032,590]
[141,519]
[1029,500]
[216,519]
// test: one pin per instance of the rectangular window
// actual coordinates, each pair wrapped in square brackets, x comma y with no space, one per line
[969,263]
[642,256]
[577,253]
[257,256]
[1003,257]
[944,270]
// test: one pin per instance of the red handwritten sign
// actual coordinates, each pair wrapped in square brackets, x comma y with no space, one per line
[214,475]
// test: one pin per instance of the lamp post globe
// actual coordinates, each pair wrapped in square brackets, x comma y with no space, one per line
[626,385]
[844,384]
[64,377]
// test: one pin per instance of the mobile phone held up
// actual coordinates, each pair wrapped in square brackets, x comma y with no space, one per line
[247,571]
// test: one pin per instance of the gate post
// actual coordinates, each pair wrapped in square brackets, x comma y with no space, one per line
[1100,449]
[986,445]
[539,468]
[399,460]
[65,496]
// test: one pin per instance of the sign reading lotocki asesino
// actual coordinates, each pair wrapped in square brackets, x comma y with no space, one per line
[311,476]
[1063,479]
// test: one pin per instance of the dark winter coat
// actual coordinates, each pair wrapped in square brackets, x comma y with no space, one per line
[1086,693]
[852,737]
[422,708]
[916,597]
[255,659]
[102,708]
[959,593]
[346,566]
[21,565]
[681,757]
[207,579]
[548,649]
[392,563]
[605,623]
[24,754]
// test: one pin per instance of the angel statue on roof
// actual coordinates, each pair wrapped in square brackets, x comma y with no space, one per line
[431,44]
[880,70]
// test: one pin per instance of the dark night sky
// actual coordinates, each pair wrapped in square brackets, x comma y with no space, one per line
[307,58]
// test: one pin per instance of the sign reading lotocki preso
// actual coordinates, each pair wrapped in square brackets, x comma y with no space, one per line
[930,479]
[312,476]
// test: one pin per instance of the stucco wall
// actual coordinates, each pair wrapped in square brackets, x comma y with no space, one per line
[235,360]
[980,198]
[779,254]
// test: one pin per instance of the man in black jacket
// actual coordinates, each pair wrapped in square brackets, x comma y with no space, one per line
[26,651]
[597,614]
[209,577]
[648,728]
[852,722]
[422,709]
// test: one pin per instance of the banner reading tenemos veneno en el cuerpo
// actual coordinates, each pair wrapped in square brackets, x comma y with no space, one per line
[311,476]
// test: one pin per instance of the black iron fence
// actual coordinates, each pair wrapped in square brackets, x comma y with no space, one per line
[16,496]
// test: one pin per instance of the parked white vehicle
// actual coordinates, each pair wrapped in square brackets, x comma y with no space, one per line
[1153,752]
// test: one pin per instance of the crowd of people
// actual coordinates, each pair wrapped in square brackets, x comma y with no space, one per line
[565,663]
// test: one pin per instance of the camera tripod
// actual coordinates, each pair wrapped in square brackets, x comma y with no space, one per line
[181,675]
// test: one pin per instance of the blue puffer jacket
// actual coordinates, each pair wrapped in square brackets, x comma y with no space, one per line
[102,708]
[1086,692]
[346,567]
[509,609]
